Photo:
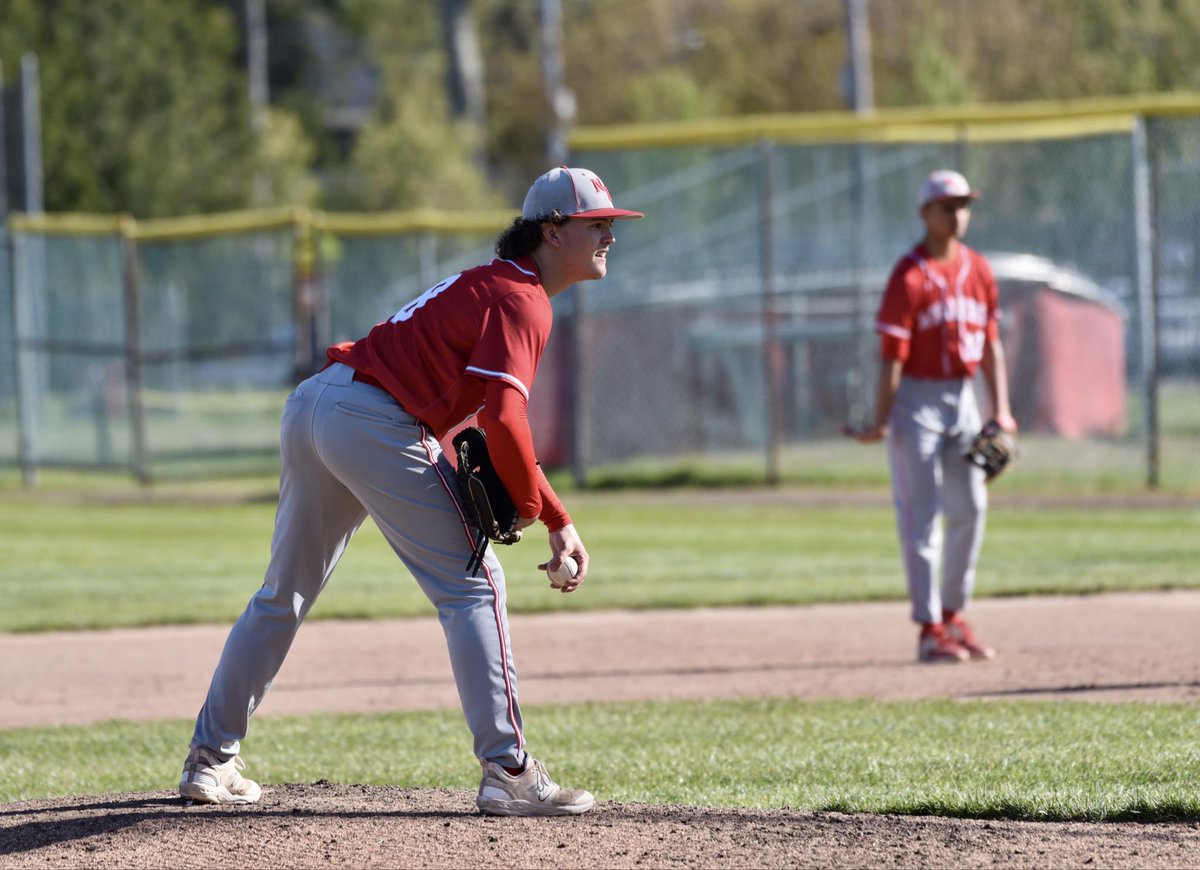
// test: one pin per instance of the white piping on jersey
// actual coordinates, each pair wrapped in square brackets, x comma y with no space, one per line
[895,331]
[504,376]
[517,267]
[955,311]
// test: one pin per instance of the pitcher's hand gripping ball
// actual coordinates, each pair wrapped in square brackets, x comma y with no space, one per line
[565,574]
[485,499]
[992,450]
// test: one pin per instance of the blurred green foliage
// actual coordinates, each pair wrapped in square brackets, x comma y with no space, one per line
[145,104]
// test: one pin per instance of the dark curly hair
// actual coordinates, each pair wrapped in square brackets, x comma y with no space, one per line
[524,235]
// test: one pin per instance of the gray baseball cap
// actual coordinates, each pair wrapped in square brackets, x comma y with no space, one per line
[576,193]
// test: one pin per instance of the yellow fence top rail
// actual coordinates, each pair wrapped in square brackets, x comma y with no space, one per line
[202,226]
[193,226]
[991,122]
[263,220]
[417,220]
[70,224]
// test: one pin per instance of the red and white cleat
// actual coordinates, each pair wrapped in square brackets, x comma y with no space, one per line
[961,633]
[937,646]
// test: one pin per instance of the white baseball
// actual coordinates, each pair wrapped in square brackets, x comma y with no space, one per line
[565,573]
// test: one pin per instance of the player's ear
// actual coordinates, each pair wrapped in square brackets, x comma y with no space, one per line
[550,233]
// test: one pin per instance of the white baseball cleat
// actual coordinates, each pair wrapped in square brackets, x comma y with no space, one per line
[208,780]
[531,793]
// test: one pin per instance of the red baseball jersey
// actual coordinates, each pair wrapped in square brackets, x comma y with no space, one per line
[438,353]
[936,315]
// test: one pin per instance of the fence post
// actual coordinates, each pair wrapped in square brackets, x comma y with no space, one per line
[3,153]
[772,352]
[860,376]
[31,150]
[130,280]
[321,299]
[1143,211]
[26,374]
[307,311]
[31,131]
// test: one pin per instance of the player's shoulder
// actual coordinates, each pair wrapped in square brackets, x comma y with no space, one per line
[512,290]
[518,284]
[520,271]
[978,261]
[502,277]
[908,265]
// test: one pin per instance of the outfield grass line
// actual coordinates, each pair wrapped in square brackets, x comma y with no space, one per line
[143,564]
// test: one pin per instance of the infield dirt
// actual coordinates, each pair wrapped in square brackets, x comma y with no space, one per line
[1132,647]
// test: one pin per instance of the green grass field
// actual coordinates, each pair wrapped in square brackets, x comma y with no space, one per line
[95,564]
[1025,760]
[96,561]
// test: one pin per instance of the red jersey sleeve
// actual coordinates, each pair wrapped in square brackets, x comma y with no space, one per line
[897,315]
[510,445]
[513,333]
[553,514]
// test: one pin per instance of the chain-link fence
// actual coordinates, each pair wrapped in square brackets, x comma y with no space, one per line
[734,332]
[147,352]
[167,347]
[739,322]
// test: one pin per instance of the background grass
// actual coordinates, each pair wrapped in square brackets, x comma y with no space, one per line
[981,759]
[72,564]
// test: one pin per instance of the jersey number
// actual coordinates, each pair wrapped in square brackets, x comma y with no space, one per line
[408,310]
[970,346]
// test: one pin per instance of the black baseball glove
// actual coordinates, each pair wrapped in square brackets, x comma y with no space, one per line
[485,499]
[992,449]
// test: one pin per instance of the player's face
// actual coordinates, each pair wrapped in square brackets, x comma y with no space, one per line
[947,218]
[584,247]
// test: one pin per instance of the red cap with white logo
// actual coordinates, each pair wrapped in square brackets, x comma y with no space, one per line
[574,193]
[945,184]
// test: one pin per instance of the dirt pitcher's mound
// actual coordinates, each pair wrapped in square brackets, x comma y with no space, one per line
[323,825]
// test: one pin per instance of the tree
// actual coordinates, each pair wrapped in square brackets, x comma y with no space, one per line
[141,110]
[145,103]
[411,152]
[930,51]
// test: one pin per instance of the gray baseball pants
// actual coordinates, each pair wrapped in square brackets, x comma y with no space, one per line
[940,500]
[348,451]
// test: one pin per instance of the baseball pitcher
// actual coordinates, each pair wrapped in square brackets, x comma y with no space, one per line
[362,438]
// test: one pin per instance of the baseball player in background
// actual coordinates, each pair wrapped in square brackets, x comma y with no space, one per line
[937,324]
[361,438]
